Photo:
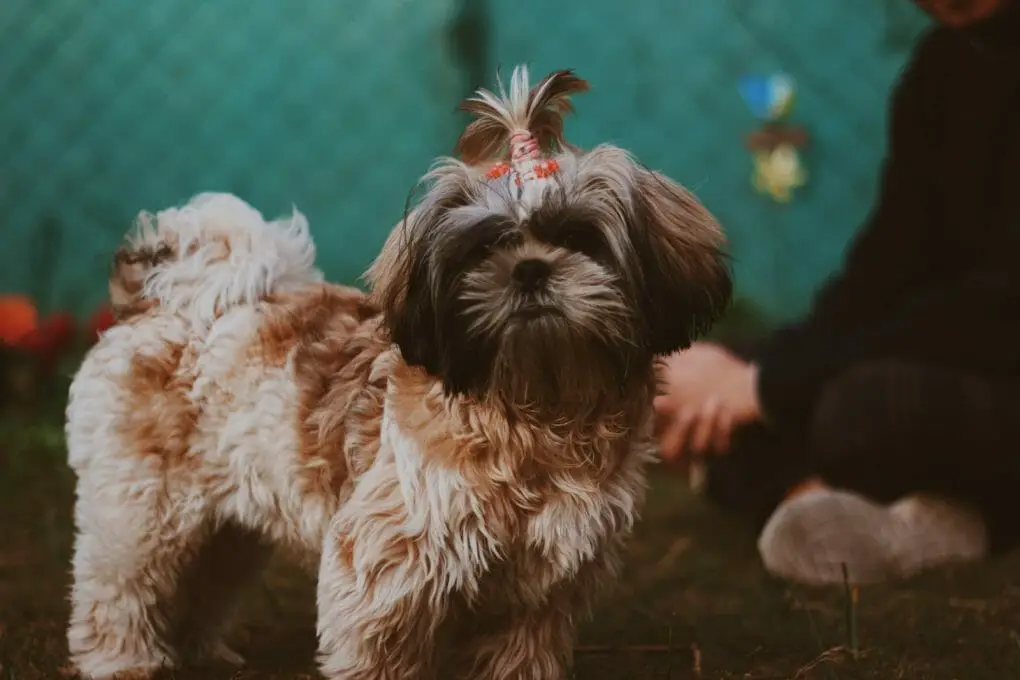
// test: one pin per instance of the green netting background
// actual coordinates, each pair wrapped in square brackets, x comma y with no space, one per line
[112,106]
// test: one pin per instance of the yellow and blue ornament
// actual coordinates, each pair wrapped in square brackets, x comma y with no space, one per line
[775,146]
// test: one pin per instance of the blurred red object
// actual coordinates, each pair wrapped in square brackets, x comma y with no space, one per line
[54,335]
[18,318]
[100,320]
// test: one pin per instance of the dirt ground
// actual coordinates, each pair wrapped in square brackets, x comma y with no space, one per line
[693,603]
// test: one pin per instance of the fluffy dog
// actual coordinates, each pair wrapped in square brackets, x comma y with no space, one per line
[463,449]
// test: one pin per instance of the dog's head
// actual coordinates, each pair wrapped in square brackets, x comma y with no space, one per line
[554,277]
[131,266]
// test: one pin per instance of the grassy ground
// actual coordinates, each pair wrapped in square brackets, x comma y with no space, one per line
[693,603]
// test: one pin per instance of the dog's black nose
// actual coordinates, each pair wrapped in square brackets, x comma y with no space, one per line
[531,274]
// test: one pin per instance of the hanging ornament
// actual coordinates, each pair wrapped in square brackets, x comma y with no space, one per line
[775,145]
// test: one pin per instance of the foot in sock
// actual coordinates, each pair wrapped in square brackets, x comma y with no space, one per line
[814,532]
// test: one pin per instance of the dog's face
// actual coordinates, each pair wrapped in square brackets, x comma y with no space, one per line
[559,296]
[130,266]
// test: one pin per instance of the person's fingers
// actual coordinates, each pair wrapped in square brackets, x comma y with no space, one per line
[664,405]
[674,437]
[704,427]
[723,434]
[665,415]
[669,441]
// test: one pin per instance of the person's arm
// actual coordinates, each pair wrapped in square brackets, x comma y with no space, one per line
[895,251]
[969,323]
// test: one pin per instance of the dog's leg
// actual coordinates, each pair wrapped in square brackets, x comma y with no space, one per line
[386,580]
[536,646]
[379,605]
[132,542]
[229,561]
[537,642]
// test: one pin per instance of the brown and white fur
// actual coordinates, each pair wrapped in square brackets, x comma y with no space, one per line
[463,449]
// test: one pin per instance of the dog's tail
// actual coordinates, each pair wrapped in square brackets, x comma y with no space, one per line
[211,254]
[538,111]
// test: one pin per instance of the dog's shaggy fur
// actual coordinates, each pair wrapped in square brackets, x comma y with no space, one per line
[464,447]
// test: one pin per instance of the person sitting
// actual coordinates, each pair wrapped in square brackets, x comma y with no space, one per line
[882,431]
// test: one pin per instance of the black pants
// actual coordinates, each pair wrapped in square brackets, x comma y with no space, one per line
[887,429]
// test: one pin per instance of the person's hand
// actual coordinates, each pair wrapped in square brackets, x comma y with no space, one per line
[708,392]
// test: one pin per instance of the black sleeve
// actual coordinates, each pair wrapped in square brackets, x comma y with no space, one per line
[970,323]
[894,252]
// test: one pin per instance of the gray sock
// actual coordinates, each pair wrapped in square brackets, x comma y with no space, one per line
[810,537]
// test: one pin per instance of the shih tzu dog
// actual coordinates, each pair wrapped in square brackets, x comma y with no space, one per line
[462,450]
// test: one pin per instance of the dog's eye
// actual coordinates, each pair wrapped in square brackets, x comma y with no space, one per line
[479,242]
[128,257]
[507,239]
[578,237]
[163,252]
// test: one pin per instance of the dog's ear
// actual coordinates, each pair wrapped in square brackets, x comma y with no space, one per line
[130,267]
[685,284]
[399,279]
[423,326]
[412,323]
[128,270]
[126,275]
[403,278]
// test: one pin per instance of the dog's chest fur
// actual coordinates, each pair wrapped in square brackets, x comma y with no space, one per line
[287,412]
